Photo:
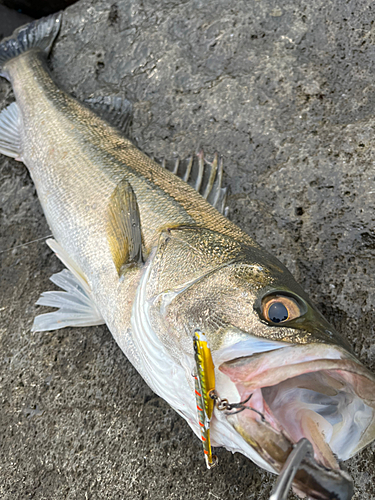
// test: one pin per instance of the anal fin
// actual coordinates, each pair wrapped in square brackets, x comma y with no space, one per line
[124,228]
[10,141]
[75,304]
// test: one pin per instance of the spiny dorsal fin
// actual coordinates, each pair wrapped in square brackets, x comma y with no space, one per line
[204,176]
[124,228]
[115,110]
[10,141]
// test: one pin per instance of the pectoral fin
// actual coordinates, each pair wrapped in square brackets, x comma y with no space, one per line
[124,228]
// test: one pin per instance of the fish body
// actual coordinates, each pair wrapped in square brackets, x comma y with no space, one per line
[151,258]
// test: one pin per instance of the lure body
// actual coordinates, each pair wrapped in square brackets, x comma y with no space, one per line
[204,386]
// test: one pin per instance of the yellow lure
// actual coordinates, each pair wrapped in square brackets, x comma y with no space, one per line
[204,384]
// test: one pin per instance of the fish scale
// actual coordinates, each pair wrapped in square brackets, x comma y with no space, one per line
[147,254]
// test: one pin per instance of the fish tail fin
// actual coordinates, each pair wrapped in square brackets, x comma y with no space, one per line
[39,34]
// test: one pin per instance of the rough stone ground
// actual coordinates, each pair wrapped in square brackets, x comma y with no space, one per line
[285,91]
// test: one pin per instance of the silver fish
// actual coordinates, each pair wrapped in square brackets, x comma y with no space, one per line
[150,255]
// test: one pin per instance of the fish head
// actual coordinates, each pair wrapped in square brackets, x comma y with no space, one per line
[273,350]
[231,290]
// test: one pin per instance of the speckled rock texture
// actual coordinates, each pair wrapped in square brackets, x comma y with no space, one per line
[285,92]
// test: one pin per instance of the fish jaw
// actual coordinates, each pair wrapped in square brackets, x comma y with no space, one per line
[311,479]
[316,391]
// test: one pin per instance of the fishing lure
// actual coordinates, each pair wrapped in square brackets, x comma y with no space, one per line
[207,398]
[204,386]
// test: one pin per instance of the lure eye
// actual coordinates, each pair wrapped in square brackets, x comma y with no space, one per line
[279,309]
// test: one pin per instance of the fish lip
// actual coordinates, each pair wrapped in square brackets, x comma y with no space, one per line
[261,370]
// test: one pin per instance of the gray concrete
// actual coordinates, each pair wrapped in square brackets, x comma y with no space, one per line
[285,92]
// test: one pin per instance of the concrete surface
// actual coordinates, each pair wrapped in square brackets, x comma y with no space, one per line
[285,92]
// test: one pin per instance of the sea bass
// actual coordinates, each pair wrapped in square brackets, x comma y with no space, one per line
[149,252]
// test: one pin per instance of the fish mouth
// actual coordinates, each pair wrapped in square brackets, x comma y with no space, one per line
[315,391]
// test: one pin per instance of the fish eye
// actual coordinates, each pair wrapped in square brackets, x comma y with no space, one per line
[279,309]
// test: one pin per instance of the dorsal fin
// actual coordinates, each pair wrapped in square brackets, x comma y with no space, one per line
[114,109]
[124,228]
[204,176]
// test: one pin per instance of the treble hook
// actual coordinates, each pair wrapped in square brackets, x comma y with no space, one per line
[224,405]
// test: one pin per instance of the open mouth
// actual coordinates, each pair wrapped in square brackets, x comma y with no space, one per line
[315,391]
